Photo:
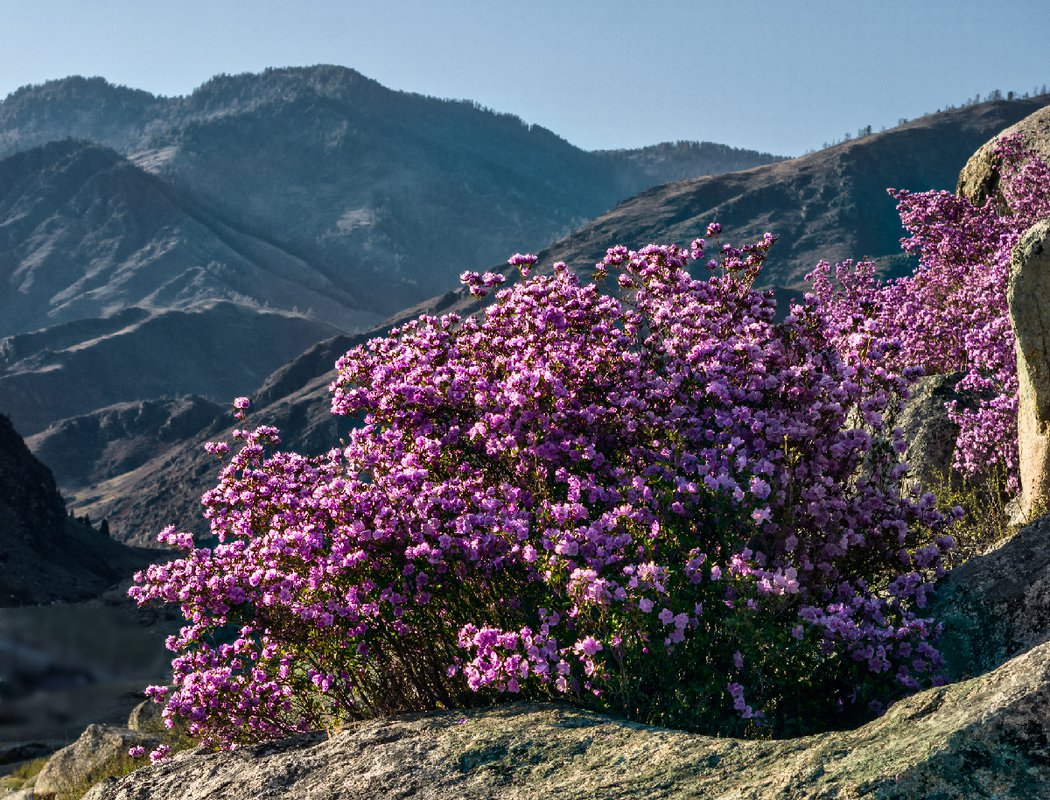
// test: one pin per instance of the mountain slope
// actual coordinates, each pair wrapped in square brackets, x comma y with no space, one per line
[389,194]
[830,205]
[163,486]
[46,556]
[216,349]
[85,233]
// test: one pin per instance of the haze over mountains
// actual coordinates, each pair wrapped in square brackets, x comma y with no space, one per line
[256,216]
[365,184]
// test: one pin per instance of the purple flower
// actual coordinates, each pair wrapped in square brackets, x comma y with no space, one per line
[520,480]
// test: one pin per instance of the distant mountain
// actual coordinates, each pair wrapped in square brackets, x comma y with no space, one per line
[388,194]
[88,449]
[216,349]
[140,488]
[46,556]
[829,205]
[85,233]
[230,229]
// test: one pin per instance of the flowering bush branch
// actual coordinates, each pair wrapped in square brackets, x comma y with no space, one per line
[951,315]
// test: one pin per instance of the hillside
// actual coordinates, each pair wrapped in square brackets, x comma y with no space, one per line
[215,350]
[132,469]
[85,233]
[389,194]
[46,556]
[829,205]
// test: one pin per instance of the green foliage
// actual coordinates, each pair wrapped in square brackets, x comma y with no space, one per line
[22,773]
[985,521]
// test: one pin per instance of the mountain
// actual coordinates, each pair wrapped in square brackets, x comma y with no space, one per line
[46,556]
[85,233]
[829,205]
[388,194]
[232,228]
[142,466]
[849,176]
[88,449]
[217,350]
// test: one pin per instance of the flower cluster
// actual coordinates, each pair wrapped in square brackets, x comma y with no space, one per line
[951,315]
[649,502]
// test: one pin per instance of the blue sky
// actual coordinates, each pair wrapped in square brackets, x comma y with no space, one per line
[783,76]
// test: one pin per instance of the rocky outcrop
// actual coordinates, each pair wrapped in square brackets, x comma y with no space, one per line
[996,605]
[101,750]
[979,178]
[927,429]
[981,738]
[1029,300]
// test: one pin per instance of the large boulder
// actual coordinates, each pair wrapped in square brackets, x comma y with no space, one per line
[1028,296]
[979,178]
[927,429]
[985,737]
[996,605]
[100,751]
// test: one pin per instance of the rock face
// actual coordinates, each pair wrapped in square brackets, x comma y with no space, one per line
[1029,300]
[979,179]
[980,738]
[929,432]
[100,749]
[997,605]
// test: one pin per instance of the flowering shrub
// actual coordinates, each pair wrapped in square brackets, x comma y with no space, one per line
[951,315]
[661,504]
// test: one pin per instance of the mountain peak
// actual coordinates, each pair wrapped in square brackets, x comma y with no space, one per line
[283,83]
[78,87]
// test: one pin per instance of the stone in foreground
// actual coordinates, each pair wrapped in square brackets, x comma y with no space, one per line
[981,738]
[97,752]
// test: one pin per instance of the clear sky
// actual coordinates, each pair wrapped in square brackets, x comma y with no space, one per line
[783,76]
